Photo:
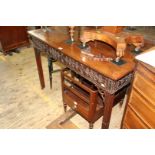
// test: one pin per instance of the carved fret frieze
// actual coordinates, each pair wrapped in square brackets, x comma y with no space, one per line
[40,45]
[102,83]
[102,93]
[123,82]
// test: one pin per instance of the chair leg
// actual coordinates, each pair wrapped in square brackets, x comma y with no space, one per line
[50,69]
[91,125]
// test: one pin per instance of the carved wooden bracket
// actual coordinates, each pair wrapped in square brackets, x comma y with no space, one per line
[118,41]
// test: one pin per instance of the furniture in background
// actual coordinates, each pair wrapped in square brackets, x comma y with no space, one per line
[12,37]
[114,36]
[140,109]
[113,29]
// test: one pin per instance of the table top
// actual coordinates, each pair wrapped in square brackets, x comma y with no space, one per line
[57,39]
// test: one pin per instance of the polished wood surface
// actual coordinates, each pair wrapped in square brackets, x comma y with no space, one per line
[140,110]
[113,29]
[12,37]
[57,39]
[119,41]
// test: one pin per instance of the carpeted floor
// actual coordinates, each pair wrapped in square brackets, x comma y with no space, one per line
[24,105]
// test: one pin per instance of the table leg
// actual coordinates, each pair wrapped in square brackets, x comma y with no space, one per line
[39,67]
[109,99]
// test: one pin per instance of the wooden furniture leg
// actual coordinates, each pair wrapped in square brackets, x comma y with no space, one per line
[39,67]
[50,69]
[62,87]
[109,99]
[91,125]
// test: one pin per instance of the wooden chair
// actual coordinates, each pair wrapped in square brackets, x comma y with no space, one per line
[82,96]
[51,70]
[50,59]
